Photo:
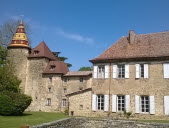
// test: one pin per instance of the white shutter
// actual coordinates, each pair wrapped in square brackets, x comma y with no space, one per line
[152,105]
[106,71]
[127,99]
[95,71]
[137,70]
[106,102]
[114,100]
[93,102]
[114,71]
[166,105]
[126,70]
[166,70]
[145,70]
[137,104]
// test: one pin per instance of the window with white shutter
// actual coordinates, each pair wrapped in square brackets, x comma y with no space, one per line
[114,71]
[106,71]
[100,102]
[142,71]
[127,100]
[137,104]
[114,99]
[152,104]
[127,71]
[106,104]
[166,105]
[93,102]
[95,71]
[166,70]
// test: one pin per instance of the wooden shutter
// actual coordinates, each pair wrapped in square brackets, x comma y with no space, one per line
[137,70]
[126,70]
[145,70]
[137,104]
[106,102]
[114,71]
[94,102]
[166,105]
[152,105]
[106,71]
[166,70]
[127,100]
[95,71]
[114,104]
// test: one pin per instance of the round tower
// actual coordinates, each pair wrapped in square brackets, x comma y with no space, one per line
[18,50]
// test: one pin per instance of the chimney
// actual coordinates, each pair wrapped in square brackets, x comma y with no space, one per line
[131,36]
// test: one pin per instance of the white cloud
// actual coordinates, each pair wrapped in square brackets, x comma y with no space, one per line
[76,37]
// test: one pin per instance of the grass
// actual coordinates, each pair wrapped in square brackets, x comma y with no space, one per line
[30,118]
[154,121]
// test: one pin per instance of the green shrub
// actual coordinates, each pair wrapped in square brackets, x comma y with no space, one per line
[13,103]
[66,112]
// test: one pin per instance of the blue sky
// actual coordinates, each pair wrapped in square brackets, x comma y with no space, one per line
[83,29]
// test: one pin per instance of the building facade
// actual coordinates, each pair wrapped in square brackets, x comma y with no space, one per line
[130,76]
[43,75]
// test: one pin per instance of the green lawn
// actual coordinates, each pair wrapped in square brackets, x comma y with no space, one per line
[30,118]
[154,121]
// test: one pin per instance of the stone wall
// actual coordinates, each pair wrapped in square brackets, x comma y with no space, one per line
[99,123]
[155,86]
[80,104]
[19,62]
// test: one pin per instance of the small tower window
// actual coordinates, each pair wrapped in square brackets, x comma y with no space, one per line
[50,89]
[52,67]
[48,103]
[65,90]
[35,52]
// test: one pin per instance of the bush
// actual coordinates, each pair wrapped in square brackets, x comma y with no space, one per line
[13,103]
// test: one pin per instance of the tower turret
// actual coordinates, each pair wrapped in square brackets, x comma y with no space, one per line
[18,51]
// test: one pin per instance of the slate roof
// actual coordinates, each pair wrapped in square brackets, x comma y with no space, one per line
[144,46]
[56,67]
[42,51]
[79,73]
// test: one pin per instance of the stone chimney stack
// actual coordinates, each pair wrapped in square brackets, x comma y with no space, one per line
[131,36]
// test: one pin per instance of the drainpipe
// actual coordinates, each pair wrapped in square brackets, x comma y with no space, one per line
[110,76]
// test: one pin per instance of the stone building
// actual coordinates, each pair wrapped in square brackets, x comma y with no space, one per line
[44,77]
[132,75]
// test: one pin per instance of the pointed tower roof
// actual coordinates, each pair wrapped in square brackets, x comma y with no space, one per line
[42,50]
[19,39]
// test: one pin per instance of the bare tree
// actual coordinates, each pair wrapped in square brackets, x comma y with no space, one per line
[8,29]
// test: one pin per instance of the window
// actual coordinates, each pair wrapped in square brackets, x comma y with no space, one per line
[121,71]
[50,79]
[101,71]
[35,52]
[65,90]
[121,103]
[142,70]
[80,88]
[166,70]
[52,67]
[63,102]
[145,104]
[49,89]
[48,102]
[81,107]
[81,79]
[100,102]
[66,80]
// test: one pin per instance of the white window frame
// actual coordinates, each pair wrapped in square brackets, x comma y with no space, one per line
[121,103]
[100,101]
[121,71]
[144,105]
[101,71]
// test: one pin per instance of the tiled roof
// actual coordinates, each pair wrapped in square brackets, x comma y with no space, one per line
[143,46]
[80,91]
[78,73]
[42,50]
[56,67]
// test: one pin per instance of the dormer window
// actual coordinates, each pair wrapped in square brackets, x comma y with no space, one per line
[52,67]
[35,52]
